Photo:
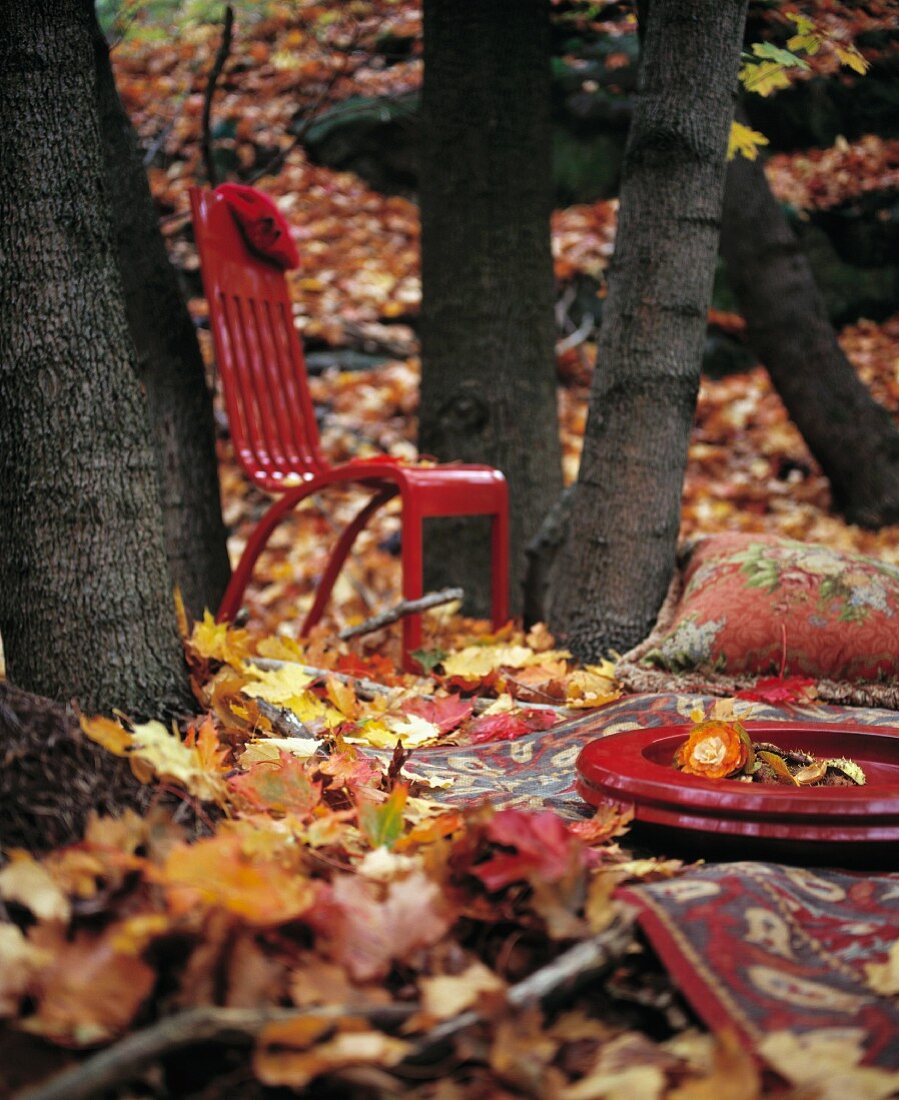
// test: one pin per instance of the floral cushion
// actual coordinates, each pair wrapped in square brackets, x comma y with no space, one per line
[743,607]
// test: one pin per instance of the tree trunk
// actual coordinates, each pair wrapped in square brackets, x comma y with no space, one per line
[168,362]
[853,437]
[488,362]
[616,561]
[85,597]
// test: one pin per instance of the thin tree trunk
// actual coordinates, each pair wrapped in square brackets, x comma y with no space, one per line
[168,362]
[853,437]
[488,373]
[85,596]
[616,561]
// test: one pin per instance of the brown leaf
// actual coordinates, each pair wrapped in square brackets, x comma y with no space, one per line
[89,992]
[367,925]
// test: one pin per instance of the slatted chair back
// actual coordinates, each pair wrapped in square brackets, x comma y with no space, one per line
[258,352]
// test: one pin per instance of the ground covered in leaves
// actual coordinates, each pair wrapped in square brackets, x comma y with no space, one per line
[297,906]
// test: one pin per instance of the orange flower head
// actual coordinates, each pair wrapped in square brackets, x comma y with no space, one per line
[714,750]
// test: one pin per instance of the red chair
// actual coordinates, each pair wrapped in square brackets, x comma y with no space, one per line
[275,437]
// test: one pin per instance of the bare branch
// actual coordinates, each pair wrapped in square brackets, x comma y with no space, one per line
[400,610]
[206,125]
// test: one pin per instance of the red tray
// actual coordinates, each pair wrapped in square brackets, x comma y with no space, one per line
[635,767]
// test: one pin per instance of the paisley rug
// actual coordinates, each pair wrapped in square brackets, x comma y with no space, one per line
[537,771]
[765,948]
[757,947]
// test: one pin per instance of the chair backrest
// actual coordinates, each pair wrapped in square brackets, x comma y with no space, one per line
[257,349]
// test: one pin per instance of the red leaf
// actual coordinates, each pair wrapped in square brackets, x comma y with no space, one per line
[779,689]
[508,726]
[543,847]
[446,712]
[285,787]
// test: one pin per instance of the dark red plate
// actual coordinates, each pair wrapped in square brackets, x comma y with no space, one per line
[635,767]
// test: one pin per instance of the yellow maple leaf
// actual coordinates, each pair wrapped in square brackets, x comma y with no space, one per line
[744,141]
[592,686]
[27,882]
[219,641]
[849,55]
[343,697]
[763,78]
[106,732]
[267,750]
[476,661]
[218,873]
[288,686]
[210,753]
[158,750]
[409,729]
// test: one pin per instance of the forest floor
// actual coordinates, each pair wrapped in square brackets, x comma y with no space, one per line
[336,929]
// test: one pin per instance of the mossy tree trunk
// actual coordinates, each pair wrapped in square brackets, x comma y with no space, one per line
[618,555]
[85,596]
[488,361]
[853,437]
[168,362]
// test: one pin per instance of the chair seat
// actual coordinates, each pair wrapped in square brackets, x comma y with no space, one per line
[464,489]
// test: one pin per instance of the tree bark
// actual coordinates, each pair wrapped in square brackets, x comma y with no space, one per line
[85,597]
[616,561]
[169,364]
[853,437]
[488,362]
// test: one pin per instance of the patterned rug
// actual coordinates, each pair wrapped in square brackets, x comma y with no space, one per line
[757,946]
[537,771]
[766,948]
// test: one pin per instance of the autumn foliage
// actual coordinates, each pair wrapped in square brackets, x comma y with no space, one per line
[292,868]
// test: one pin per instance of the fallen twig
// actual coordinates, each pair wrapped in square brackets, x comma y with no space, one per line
[565,975]
[398,611]
[119,1063]
[363,687]
[367,689]
[241,1026]
[206,124]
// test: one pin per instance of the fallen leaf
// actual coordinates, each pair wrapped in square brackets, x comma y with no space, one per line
[282,787]
[20,962]
[446,712]
[89,992]
[382,822]
[508,726]
[366,925]
[217,873]
[542,846]
[25,881]
[449,994]
[827,1061]
[282,1056]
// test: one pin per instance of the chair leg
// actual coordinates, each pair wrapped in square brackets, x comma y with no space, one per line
[262,532]
[339,555]
[412,581]
[499,567]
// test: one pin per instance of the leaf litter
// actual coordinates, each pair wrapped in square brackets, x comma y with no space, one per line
[321,889]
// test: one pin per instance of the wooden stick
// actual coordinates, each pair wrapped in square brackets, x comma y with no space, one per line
[238,1026]
[206,124]
[565,975]
[117,1064]
[367,689]
[398,611]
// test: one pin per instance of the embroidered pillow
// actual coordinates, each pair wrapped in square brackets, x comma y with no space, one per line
[262,224]
[744,607]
